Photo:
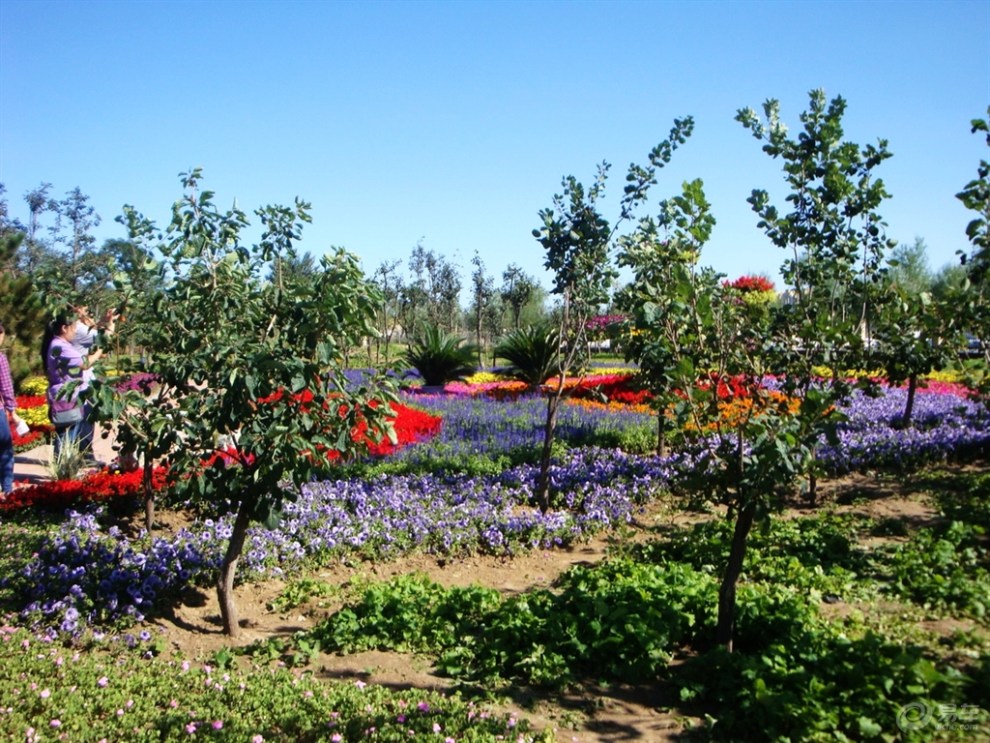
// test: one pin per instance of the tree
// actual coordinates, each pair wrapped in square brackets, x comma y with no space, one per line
[577,240]
[908,268]
[517,290]
[915,331]
[68,269]
[483,298]
[975,299]
[836,241]
[658,300]
[247,360]
[20,307]
[695,337]
[390,284]
[433,292]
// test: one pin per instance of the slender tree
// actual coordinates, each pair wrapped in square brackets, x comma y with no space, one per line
[577,240]
[835,237]
[247,361]
[974,300]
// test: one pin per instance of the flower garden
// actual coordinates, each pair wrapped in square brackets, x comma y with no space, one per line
[82,657]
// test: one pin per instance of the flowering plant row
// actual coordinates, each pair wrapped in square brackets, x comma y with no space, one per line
[411,426]
[442,513]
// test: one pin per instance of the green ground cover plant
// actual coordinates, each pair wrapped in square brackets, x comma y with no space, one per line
[103,692]
[800,671]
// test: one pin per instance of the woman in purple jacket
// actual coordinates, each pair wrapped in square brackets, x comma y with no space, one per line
[64,367]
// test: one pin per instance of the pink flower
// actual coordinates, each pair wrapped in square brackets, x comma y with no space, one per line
[45,694]
[56,723]
[102,681]
[360,684]
[191,728]
[423,707]
[336,738]
[174,703]
[217,724]
[257,739]
[436,727]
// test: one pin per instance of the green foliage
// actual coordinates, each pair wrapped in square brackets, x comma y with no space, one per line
[533,353]
[440,358]
[831,686]
[21,311]
[299,592]
[973,302]
[618,620]
[110,693]
[69,463]
[577,242]
[944,568]
[834,234]
[243,359]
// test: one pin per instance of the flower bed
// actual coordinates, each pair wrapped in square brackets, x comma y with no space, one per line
[85,574]
[411,426]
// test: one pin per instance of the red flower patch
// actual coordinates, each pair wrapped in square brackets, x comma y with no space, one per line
[97,486]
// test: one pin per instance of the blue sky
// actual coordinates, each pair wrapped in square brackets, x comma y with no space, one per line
[453,122]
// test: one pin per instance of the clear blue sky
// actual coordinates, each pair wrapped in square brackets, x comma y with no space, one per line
[453,122]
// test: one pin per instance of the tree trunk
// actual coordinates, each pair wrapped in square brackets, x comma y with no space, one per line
[725,628]
[909,405]
[225,585]
[543,483]
[149,494]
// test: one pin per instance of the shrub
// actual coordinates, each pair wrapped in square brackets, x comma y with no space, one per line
[440,358]
[532,353]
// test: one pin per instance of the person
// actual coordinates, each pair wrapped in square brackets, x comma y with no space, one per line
[87,333]
[68,375]
[10,415]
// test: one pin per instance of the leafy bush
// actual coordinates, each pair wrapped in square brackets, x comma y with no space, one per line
[943,568]
[532,352]
[818,685]
[617,620]
[440,358]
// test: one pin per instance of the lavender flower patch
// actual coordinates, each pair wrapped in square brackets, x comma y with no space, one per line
[481,426]
[85,576]
[942,426]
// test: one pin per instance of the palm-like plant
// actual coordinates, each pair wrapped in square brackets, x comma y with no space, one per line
[440,358]
[533,353]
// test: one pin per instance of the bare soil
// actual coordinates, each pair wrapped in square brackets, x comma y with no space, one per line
[588,713]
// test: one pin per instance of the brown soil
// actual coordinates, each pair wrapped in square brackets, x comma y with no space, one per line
[589,713]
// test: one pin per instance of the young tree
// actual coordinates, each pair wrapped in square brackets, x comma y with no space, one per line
[975,299]
[390,284]
[246,359]
[20,306]
[433,292]
[483,298]
[517,290]
[696,336]
[660,298]
[577,240]
[908,268]
[915,331]
[836,240]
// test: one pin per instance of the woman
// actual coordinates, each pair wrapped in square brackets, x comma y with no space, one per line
[10,414]
[65,367]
